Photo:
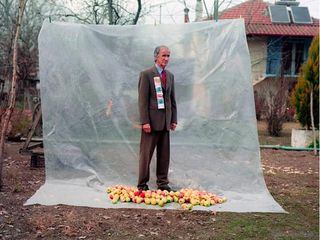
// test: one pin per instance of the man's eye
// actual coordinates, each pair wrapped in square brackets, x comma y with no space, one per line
[165,55]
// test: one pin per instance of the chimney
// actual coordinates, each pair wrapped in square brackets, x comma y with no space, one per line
[186,15]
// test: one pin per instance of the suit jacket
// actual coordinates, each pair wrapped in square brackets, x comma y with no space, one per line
[159,119]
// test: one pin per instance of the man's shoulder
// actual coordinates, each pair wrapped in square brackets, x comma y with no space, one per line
[167,71]
[148,71]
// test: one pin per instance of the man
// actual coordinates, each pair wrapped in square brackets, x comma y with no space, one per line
[158,114]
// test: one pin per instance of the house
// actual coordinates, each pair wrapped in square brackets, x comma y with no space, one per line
[278,35]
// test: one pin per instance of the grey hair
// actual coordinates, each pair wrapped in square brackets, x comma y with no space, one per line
[157,51]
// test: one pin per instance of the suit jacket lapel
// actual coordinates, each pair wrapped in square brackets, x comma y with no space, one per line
[155,72]
[168,81]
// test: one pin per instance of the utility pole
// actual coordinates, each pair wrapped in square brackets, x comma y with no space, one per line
[160,8]
[160,14]
[216,9]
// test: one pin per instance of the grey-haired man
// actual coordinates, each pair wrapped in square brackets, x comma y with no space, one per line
[158,115]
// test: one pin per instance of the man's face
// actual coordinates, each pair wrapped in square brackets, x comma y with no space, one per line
[163,57]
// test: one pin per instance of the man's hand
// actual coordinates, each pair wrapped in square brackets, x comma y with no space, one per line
[146,128]
[173,126]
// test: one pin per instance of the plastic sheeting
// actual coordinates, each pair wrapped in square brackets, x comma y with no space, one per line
[89,76]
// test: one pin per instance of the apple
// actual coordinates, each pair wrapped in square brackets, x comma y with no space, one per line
[153,201]
[148,194]
[114,200]
[138,200]
[122,198]
[207,203]
[136,193]
[195,201]
[169,199]
[147,201]
[164,199]
[186,206]
[161,203]
[142,194]
[186,199]
[181,200]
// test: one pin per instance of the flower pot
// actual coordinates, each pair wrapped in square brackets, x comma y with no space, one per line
[302,138]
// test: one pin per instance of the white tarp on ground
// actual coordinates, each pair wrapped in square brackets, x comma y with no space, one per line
[89,77]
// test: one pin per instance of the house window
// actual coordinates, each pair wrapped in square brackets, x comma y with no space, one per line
[292,57]
[286,55]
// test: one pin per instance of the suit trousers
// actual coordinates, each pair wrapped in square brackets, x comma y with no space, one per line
[149,141]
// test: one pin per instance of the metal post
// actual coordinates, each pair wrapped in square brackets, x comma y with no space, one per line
[160,14]
[216,9]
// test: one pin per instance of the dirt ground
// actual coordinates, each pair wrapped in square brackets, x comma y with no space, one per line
[291,176]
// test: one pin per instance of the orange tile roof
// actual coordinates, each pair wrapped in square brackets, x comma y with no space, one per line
[258,21]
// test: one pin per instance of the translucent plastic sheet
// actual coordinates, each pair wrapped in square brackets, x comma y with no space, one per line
[89,77]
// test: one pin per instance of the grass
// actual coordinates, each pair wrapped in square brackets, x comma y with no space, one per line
[283,140]
[300,223]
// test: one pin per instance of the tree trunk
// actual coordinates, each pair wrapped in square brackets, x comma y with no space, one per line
[312,123]
[110,12]
[135,20]
[12,97]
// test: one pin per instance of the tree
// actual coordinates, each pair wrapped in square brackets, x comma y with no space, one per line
[112,12]
[305,96]
[12,97]
[276,105]
[34,14]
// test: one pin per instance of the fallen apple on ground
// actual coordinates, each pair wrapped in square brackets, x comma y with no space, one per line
[186,197]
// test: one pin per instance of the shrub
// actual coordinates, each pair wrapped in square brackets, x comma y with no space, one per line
[276,106]
[308,80]
[311,145]
[20,124]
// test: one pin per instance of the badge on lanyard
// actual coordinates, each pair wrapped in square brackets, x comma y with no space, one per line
[159,93]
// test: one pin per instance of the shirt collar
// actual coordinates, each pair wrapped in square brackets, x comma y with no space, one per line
[159,68]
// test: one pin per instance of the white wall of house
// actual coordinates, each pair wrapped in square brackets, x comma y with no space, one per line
[258,54]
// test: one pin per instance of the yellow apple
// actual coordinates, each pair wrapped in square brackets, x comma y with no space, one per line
[147,201]
[153,201]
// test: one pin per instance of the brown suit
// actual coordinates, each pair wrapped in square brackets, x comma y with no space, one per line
[160,121]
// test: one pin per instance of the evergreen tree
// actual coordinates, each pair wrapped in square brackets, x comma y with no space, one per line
[307,85]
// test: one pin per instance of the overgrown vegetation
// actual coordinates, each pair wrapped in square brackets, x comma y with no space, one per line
[276,106]
[21,122]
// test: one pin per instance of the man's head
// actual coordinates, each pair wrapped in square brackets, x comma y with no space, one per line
[161,56]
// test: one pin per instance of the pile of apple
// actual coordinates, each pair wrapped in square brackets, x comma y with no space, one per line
[187,198]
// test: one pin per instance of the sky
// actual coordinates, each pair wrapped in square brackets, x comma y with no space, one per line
[172,10]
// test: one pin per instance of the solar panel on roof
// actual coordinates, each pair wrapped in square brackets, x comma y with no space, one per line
[287,2]
[279,14]
[301,15]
